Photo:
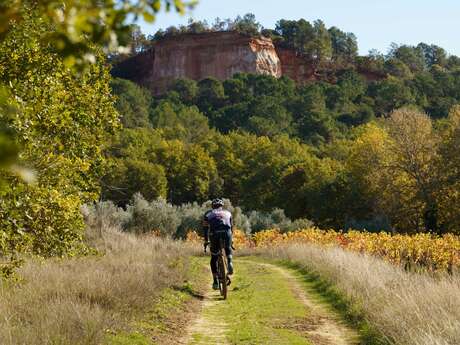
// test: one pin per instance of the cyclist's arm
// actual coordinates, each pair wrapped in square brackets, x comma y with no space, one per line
[206,229]
[231,223]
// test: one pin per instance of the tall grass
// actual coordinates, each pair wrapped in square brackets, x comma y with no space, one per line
[407,308]
[77,301]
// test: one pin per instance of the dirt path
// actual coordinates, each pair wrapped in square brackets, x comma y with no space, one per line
[208,327]
[267,305]
[328,328]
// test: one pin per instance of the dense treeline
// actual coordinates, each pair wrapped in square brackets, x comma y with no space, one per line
[318,111]
[232,138]
[315,113]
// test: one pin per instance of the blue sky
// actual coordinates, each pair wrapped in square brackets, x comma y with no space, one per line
[376,23]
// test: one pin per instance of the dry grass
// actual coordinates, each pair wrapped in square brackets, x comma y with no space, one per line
[408,308]
[77,301]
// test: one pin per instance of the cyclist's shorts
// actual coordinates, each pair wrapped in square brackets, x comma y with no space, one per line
[215,237]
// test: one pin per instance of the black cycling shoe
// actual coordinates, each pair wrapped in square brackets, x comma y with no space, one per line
[229,281]
[215,285]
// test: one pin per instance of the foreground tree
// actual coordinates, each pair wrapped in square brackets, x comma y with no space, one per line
[64,120]
[77,27]
[56,110]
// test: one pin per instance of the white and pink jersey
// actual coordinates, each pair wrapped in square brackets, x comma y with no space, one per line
[219,220]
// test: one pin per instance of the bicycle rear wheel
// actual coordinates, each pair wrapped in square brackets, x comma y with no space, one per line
[222,272]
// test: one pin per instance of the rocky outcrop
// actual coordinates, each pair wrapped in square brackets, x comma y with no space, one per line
[294,66]
[197,56]
[219,55]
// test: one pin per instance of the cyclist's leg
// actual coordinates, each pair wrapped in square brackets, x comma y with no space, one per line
[214,255]
[229,251]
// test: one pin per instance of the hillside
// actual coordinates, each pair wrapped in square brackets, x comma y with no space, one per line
[342,140]
[424,75]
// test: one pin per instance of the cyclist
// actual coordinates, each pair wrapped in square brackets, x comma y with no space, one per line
[218,224]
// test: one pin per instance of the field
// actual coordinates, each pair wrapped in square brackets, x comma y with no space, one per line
[419,251]
[306,287]
[404,307]
[93,299]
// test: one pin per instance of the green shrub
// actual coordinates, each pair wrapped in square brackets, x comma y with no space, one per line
[157,215]
[276,219]
[143,216]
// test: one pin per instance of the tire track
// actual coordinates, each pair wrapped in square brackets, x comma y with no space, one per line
[208,328]
[326,328]
[321,326]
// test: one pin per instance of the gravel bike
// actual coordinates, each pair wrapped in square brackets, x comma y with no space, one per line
[222,272]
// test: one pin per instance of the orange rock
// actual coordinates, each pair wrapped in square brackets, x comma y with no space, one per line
[197,56]
[219,55]
[294,66]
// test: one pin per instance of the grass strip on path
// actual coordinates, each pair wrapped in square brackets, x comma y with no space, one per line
[260,309]
[325,294]
[266,305]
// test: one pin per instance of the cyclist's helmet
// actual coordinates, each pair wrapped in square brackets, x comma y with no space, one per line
[216,203]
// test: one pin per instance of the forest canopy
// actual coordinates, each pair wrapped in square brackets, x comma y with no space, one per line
[265,143]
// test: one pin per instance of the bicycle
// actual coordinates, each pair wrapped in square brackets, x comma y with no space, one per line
[222,276]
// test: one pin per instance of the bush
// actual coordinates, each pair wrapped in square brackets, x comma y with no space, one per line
[298,224]
[191,218]
[276,219]
[175,221]
[142,216]
[157,215]
[104,214]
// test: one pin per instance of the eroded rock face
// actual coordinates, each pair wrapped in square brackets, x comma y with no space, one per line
[294,66]
[219,55]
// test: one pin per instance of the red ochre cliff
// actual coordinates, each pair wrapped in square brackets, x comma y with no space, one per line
[295,66]
[213,54]
[197,56]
